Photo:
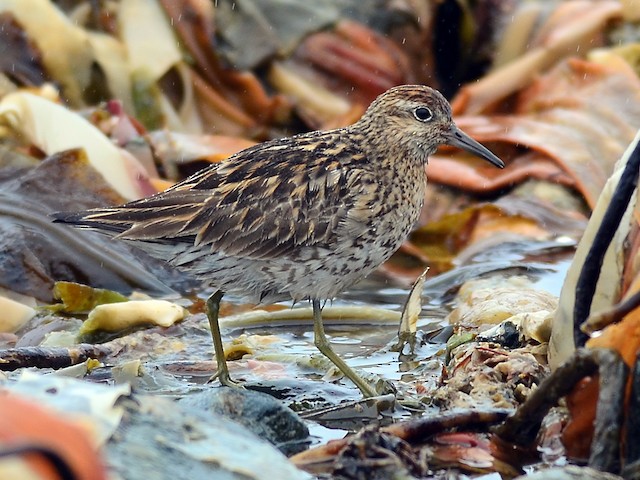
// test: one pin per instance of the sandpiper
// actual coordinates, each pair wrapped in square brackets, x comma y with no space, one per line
[296,218]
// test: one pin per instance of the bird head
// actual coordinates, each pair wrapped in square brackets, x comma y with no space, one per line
[419,118]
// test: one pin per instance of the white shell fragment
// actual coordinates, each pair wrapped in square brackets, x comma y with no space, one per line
[14,315]
[114,317]
[54,128]
[491,301]
[536,325]
[344,315]
[413,306]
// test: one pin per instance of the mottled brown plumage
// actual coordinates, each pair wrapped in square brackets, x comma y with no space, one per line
[299,217]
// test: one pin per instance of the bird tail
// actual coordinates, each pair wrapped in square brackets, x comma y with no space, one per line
[89,219]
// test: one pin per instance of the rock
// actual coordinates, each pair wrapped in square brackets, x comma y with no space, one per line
[260,413]
[167,440]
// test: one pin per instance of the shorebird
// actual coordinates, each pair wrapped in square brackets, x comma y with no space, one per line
[296,218]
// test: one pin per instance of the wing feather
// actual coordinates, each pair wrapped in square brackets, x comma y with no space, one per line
[263,203]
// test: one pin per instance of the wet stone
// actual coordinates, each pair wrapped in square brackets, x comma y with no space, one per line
[262,414]
[161,439]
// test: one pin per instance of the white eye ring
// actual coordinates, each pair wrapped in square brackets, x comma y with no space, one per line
[423,114]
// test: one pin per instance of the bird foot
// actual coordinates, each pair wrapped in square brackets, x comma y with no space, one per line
[385,387]
[223,377]
[378,388]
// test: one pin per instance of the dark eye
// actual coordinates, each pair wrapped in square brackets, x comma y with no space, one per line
[423,114]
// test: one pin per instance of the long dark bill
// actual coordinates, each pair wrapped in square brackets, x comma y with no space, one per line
[457,138]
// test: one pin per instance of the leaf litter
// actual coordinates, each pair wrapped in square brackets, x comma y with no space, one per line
[558,110]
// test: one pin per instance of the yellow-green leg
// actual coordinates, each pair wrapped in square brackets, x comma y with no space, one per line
[322,343]
[213,311]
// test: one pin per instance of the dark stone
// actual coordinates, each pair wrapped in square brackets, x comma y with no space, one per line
[506,334]
[157,439]
[260,413]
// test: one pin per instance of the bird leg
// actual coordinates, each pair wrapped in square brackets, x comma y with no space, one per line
[213,309]
[322,343]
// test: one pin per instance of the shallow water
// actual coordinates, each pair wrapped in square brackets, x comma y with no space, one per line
[367,347]
[284,362]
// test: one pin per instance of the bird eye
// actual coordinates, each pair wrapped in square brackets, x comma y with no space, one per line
[423,114]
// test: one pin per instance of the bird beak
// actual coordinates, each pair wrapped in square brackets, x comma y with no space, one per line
[457,138]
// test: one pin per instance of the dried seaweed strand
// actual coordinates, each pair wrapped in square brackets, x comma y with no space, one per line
[632,427]
[600,320]
[605,446]
[586,284]
[522,427]
[418,430]
[50,357]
